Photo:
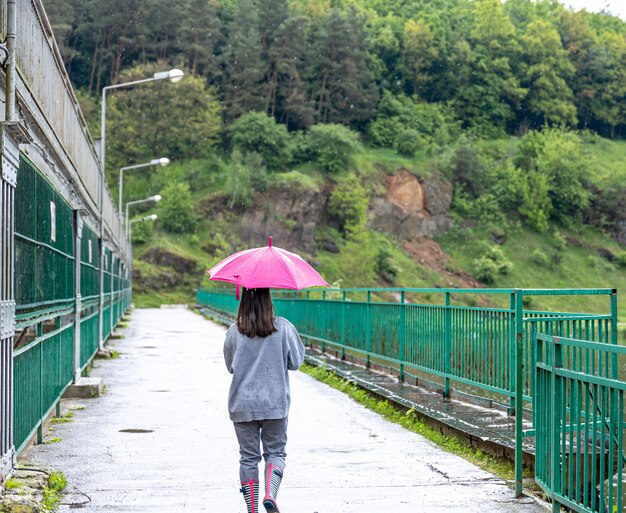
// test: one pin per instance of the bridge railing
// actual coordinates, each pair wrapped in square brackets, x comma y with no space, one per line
[482,350]
[580,424]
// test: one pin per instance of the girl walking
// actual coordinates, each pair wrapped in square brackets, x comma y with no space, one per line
[259,350]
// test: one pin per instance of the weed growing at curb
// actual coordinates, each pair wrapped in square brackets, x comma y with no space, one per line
[51,493]
[409,419]
[68,417]
[115,354]
[55,440]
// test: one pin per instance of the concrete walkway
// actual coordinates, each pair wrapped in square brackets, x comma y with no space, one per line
[160,440]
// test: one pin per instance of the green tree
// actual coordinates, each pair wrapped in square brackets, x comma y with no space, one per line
[161,119]
[348,203]
[546,73]
[289,59]
[244,67]
[257,132]
[419,53]
[176,212]
[331,146]
[556,166]
[344,91]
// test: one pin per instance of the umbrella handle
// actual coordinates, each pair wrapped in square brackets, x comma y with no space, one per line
[269,241]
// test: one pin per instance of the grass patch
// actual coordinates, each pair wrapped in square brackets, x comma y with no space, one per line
[12,484]
[54,440]
[52,492]
[409,419]
[115,354]
[68,417]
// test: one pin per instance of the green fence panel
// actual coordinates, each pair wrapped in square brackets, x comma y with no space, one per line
[580,427]
[90,265]
[44,247]
[89,342]
[43,369]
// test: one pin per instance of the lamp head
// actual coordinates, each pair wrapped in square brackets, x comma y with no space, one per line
[163,161]
[156,197]
[175,75]
[153,217]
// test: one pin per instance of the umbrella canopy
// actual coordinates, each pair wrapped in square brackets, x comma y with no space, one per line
[266,267]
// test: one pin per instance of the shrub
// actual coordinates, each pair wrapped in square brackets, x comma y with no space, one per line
[408,142]
[540,258]
[620,259]
[142,232]
[485,269]
[257,132]
[176,213]
[348,203]
[490,264]
[332,146]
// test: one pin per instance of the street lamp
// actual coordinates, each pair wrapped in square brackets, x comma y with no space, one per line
[152,217]
[156,198]
[163,161]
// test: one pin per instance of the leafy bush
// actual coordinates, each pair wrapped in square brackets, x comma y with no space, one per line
[540,258]
[408,142]
[259,133]
[620,259]
[348,203]
[385,266]
[490,264]
[485,269]
[142,232]
[176,213]
[332,146]
[246,175]
[400,116]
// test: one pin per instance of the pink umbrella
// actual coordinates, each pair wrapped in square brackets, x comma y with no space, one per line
[266,267]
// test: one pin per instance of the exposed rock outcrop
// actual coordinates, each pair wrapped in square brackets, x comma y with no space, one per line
[290,218]
[410,208]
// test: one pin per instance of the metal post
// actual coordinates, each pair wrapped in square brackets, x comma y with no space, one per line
[402,332]
[100,206]
[519,390]
[368,329]
[614,366]
[447,345]
[343,325]
[555,356]
[78,237]
[112,296]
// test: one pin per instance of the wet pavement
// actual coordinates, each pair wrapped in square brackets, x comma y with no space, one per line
[160,440]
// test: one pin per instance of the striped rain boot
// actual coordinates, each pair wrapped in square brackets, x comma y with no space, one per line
[250,490]
[273,477]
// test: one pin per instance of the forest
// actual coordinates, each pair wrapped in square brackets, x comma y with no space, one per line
[487,66]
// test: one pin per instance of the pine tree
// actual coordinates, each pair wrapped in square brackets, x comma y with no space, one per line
[243,66]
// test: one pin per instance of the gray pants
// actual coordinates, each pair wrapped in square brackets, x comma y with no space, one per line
[272,433]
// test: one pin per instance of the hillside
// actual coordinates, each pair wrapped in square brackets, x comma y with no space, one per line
[295,210]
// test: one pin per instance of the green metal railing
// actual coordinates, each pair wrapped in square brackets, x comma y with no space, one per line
[579,421]
[487,350]
[56,325]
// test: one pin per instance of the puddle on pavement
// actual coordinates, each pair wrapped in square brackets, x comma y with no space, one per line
[134,430]
[159,390]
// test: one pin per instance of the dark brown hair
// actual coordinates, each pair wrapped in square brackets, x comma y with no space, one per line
[255,317]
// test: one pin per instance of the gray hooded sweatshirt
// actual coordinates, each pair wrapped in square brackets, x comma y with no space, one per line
[260,386]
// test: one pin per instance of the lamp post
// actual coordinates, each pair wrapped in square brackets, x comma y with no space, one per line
[173,75]
[156,198]
[163,161]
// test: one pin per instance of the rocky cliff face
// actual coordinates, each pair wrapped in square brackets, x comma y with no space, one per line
[412,208]
[409,208]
